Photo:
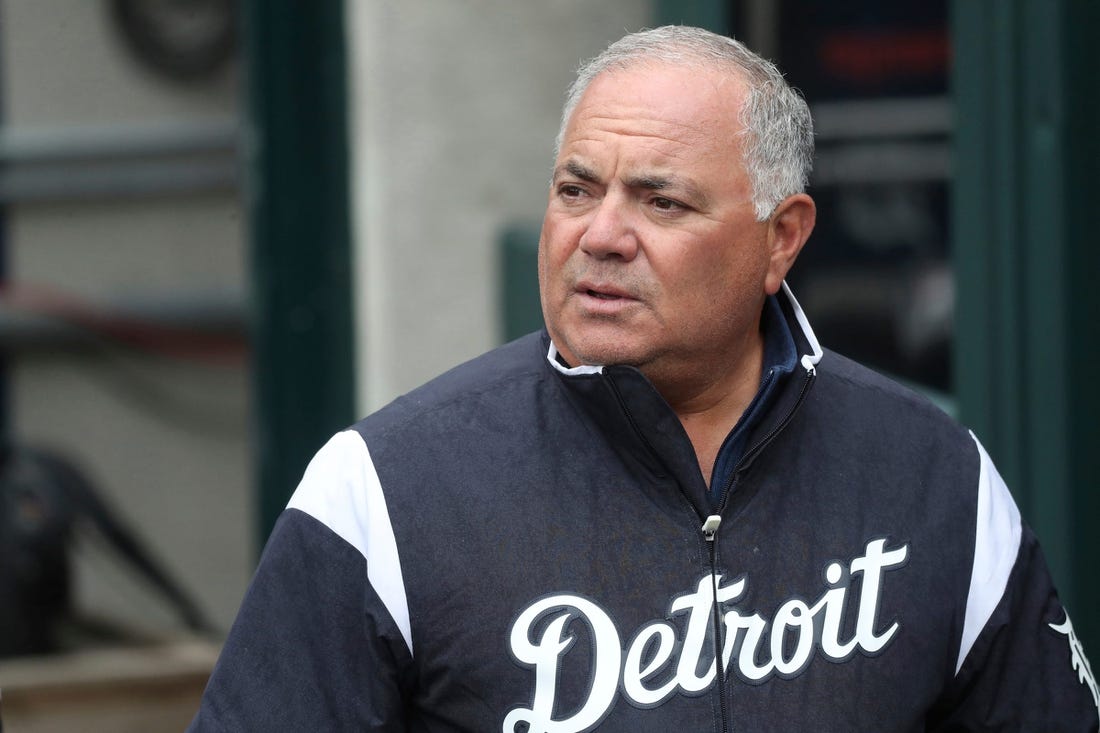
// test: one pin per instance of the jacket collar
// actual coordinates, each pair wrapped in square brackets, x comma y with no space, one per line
[805,340]
[644,430]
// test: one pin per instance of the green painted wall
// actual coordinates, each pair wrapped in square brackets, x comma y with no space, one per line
[713,15]
[1025,91]
[303,357]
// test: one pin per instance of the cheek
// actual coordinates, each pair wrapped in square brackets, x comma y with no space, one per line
[555,247]
[541,262]
[715,287]
[546,269]
[551,267]
[693,273]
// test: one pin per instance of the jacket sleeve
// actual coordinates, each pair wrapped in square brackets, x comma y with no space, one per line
[316,645]
[1021,667]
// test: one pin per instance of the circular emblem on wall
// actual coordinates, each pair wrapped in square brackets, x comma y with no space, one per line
[186,40]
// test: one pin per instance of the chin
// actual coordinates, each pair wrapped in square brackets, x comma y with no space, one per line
[597,344]
[604,354]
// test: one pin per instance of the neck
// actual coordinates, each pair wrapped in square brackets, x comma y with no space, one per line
[708,410]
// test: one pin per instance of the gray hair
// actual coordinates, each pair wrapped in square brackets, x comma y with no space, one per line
[779,134]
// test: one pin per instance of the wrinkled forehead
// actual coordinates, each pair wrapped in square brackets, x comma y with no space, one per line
[652,126]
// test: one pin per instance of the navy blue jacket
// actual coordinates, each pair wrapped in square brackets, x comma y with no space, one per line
[520,547]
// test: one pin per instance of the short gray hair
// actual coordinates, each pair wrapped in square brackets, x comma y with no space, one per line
[779,147]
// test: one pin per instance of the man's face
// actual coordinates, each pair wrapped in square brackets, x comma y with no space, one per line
[650,253]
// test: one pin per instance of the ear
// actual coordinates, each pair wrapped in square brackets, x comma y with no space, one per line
[789,227]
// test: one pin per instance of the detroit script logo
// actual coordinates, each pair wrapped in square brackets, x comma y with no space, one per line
[657,665]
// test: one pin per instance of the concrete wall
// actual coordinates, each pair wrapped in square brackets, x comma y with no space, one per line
[455,105]
[165,438]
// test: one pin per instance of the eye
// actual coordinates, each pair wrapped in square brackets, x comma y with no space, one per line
[570,191]
[666,205]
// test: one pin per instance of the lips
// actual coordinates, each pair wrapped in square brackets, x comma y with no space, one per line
[603,300]
[602,291]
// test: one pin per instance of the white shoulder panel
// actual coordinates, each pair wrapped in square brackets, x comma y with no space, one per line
[996,544]
[341,490]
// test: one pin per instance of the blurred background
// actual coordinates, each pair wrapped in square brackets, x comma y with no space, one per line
[229,228]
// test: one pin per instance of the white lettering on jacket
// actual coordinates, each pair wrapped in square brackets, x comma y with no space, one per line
[656,664]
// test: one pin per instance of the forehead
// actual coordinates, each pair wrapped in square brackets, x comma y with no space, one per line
[679,110]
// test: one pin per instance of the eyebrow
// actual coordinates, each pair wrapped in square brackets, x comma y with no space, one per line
[645,181]
[577,170]
[653,182]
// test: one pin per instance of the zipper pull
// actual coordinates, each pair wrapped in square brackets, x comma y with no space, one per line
[711,526]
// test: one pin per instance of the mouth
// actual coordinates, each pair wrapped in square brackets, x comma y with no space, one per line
[603,292]
[601,300]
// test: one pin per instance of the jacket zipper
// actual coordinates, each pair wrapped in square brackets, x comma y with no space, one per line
[712,522]
[710,528]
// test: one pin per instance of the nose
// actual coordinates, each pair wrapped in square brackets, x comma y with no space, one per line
[610,232]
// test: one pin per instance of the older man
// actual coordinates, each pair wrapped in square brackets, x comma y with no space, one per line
[671,511]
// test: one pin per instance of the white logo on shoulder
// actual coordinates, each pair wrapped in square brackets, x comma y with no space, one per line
[646,671]
[1077,658]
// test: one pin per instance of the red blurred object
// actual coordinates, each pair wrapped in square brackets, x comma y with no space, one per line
[872,56]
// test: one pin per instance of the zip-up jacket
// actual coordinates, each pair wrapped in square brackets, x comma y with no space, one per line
[519,546]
